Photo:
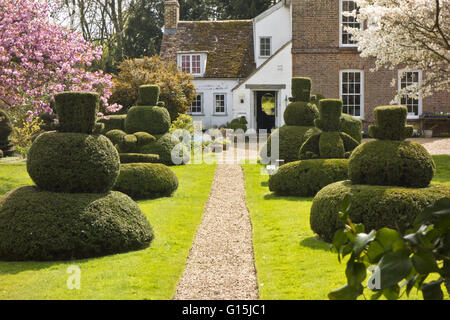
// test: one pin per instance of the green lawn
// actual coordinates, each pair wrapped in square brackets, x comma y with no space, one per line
[148,274]
[291,263]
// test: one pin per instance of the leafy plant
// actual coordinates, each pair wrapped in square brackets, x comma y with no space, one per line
[183,122]
[23,135]
[401,263]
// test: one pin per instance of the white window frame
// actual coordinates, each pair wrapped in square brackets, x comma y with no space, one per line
[341,26]
[224,113]
[202,105]
[270,46]
[341,73]
[400,72]
[190,54]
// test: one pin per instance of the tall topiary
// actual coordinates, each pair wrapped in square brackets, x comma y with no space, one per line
[6,128]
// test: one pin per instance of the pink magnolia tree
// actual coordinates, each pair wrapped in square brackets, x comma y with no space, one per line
[414,34]
[39,58]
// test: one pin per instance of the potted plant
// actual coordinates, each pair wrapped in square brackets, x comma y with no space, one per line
[429,133]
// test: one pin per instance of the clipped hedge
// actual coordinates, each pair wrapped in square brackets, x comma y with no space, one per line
[138,158]
[305,178]
[73,162]
[301,89]
[116,136]
[77,111]
[351,126]
[163,147]
[391,163]
[375,206]
[390,123]
[144,138]
[153,120]
[146,180]
[300,114]
[330,111]
[113,122]
[290,139]
[45,226]
[148,95]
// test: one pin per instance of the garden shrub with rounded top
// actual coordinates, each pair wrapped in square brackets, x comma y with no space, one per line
[300,114]
[113,122]
[163,147]
[238,123]
[146,180]
[138,158]
[390,123]
[305,178]
[37,225]
[116,136]
[148,95]
[351,126]
[393,163]
[301,89]
[73,162]
[150,119]
[144,138]
[374,206]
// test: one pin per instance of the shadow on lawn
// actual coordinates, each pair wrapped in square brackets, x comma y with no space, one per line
[315,243]
[19,267]
[273,196]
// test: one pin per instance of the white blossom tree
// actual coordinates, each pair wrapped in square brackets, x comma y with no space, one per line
[413,34]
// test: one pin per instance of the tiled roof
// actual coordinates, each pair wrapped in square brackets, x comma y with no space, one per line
[229,45]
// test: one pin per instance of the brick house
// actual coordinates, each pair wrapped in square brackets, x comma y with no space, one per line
[293,38]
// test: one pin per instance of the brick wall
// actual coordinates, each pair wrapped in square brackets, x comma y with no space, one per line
[171,14]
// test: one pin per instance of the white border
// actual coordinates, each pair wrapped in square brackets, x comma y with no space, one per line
[342,45]
[411,116]
[215,113]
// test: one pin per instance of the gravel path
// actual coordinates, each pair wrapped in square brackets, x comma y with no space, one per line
[220,265]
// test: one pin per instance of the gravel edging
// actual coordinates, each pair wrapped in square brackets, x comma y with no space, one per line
[220,265]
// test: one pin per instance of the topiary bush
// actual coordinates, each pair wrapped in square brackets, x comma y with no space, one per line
[301,89]
[390,123]
[146,180]
[238,123]
[306,178]
[300,114]
[73,162]
[138,158]
[37,225]
[6,129]
[393,163]
[144,138]
[351,126]
[148,95]
[163,147]
[374,206]
[153,120]
[330,112]
[113,122]
[77,111]
[116,136]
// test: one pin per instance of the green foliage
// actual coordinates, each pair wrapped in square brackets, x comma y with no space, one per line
[394,163]
[351,126]
[301,89]
[45,226]
[331,145]
[300,114]
[148,95]
[330,111]
[153,120]
[236,9]
[290,140]
[146,180]
[116,136]
[24,134]
[113,122]
[238,123]
[77,111]
[390,123]
[73,162]
[183,122]
[402,262]
[5,131]
[163,147]
[376,207]
[138,158]
[315,98]
[144,138]
[177,88]
[305,178]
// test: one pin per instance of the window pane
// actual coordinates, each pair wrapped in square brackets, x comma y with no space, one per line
[186,64]
[196,64]
[196,106]
[407,79]
[351,22]
[220,103]
[351,92]
[265,46]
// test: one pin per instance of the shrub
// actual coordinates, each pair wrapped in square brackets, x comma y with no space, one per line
[73,162]
[290,139]
[390,123]
[392,163]
[183,122]
[45,226]
[305,178]
[331,145]
[300,114]
[330,111]
[138,158]
[24,135]
[146,180]
[116,136]
[301,89]
[374,206]
[238,123]
[77,111]
[310,148]
[5,130]
[163,147]
[115,122]
[148,95]
[144,138]
[351,126]
[153,120]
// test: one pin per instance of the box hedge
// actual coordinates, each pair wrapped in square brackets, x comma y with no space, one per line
[73,162]
[38,225]
[146,180]
[153,120]
[390,123]
[148,95]
[305,178]
[138,158]
[301,89]
[300,114]
[351,126]
[164,146]
[375,206]
[113,122]
[330,112]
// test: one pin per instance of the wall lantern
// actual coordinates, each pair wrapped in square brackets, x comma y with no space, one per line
[242,98]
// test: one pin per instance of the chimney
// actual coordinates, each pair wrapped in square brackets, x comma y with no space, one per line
[171,16]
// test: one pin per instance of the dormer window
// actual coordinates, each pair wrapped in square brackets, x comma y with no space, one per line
[346,7]
[192,63]
[265,47]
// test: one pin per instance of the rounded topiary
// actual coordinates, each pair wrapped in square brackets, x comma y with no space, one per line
[330,111]
[113,122]
[394,163]
[148,95]
[45,226]
[164,146]
[144,138]
[306,178]
[116,136]
[139,158]
[374,206]
[300,114]
[73,162]
[351,126]
[390,123]
[290,140]
[301,89]
[153,120]
[77,111]
[146,180]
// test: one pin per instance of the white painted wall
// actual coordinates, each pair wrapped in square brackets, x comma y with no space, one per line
[274,23]
[208,87]
[277,71]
